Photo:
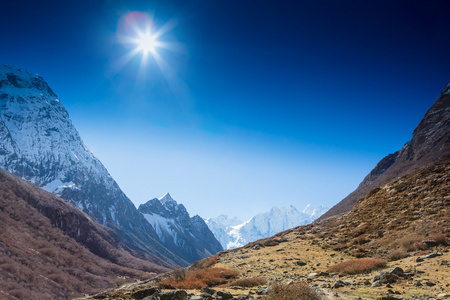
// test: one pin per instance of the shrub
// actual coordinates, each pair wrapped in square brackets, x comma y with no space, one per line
[339,246]
[362,239]
[408,242]
[270,242]
[402,186]
[205,263]
[200,278]
[439,238]
[179,274]
[360,229]
[359,252]
[419,246]
[373,192]
[296,291]
[247,282]
[358,266]
[396,255]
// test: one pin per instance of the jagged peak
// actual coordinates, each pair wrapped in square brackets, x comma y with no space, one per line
[166,198]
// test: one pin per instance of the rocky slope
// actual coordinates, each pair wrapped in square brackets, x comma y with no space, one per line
[49,249]
[233,233]
[187,237]
[430,140]
[39,143]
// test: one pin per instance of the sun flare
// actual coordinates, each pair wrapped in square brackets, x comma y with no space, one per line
[146,42]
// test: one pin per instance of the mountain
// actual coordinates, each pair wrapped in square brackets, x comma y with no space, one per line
[39,143]
[187,237]
[233,233]
[430,140]
[49,249]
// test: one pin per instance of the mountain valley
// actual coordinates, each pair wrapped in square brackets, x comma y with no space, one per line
[391,243]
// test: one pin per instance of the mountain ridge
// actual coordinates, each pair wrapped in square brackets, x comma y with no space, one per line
[430,140]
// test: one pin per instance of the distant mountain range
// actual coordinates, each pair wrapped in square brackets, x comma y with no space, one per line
[233,233]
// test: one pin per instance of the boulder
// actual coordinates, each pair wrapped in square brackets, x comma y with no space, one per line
[391,297]
[223,295]
[300,263]
[338,284]
[174,295]
[209,291]
[141,294]
[262,290]
[376,283]
[244,297]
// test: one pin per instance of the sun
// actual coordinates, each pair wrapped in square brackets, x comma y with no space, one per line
[146,42]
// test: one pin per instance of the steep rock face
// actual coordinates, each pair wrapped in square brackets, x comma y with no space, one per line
[232,235]
[39,143]
[430,140]
[187,237]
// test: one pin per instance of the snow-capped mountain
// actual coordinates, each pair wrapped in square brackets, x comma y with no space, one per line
[232,233]
[39,143]
[188,237]
[222,227]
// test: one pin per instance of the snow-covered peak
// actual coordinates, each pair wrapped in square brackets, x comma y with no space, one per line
[314,211]
[232,234]
[23,83]
[167,199]
[166,207]
[224,220]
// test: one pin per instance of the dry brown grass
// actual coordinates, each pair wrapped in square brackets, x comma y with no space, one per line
[419,246]
[205,263]
[247,282]
[199,278]
[296,291]
[397,254]
[439,238]
[358,266]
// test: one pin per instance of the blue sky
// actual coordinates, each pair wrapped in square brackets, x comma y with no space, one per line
[258,103]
